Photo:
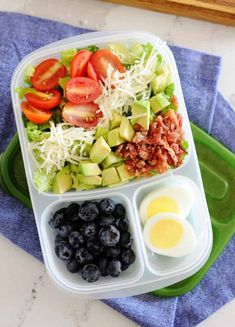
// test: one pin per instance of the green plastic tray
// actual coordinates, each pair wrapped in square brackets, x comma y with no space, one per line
[218,173]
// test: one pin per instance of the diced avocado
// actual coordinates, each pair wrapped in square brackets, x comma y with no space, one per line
[159,102]
[90,180]
[89,168]
[141,107]
[99,150]
[123,173]
[102,131]
[114,137]
[62,181]
[160,82]
[109,176]
[74,168]
[116,120]
[111,159]
[126,130]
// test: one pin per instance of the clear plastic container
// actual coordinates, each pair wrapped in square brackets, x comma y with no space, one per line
[148,272]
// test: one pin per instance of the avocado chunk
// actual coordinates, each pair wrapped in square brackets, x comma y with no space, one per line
[111,159]
[116,120]
[161,81]
[89,168]
[90,180]
[102,131]
[126,130]
[84,187]
[141,107]
[63,181]
[114,137]
[109,176]
[159,102]
[124,173]
[99,150]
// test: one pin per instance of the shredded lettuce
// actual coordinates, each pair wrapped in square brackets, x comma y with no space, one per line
[169,90]
[36,133]
[67,57]
[43,181]
[184,144]
[28,73]
[63,81]
[23,90]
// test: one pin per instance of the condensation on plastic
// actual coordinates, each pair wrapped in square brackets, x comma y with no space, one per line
[149,272]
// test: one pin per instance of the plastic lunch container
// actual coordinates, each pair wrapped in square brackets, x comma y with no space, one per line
[149,272]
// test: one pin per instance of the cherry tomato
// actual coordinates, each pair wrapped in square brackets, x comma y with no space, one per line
[91,72]
[44,100]
[36,116]
[79,63]
[82,115]
[47,74]
[101,59]
[82,90]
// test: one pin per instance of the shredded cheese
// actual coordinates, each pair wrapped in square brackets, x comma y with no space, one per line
[120,90]
[66,143]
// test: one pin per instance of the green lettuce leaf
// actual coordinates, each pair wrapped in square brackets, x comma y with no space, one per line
[43,181]
[23,90]
[28,73]
[169,90]
[37,133]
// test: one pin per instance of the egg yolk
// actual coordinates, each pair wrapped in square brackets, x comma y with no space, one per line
[162,204]
[166,233]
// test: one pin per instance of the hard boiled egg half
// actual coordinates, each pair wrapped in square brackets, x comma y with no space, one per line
[168,234]
[176,199]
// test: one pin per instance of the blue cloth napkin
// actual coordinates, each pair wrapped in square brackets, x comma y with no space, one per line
[21,34]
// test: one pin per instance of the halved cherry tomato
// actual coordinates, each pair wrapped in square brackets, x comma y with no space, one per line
[44,100]
[79,63]
[82,115]
[47,74]
[82,90]
[91,72]
[36,116]
[101,59]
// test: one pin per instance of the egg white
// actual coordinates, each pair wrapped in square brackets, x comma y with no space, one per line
[183,196]
[185,245]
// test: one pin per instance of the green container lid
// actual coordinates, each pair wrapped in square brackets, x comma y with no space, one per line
[217,166]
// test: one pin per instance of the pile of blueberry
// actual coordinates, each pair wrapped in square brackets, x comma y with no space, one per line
[93,238]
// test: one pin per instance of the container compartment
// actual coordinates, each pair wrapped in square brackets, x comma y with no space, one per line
[74,282]
[163,265]
[54,50]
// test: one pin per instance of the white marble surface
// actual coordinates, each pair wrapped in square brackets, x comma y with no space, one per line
[28,298]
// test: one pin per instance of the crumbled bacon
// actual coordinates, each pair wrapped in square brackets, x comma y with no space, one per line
[157,149]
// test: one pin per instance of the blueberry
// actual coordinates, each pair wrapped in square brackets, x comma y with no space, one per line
[106,220]
[90,273]
[65,230]
[94,247]
[122,224]
[89,230]
[107,206]
[126,240]
[75,239]
[59,239]
[124,266]
[119,211]
[112,251]
[127,257]
[109,235]
[88,211]
[63,251]
[72,212]
[58,218]
[83,256]
[73,266]
[114,268]
[102,264]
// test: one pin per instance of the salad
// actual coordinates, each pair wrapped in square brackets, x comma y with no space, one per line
[100,117]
